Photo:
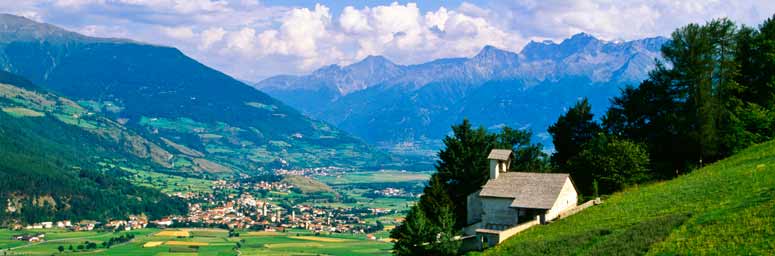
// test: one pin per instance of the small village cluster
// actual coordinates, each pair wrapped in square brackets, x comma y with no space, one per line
[247,212]
[134,222]
[392,192]
[317,171]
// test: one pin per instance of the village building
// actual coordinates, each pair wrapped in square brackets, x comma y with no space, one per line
[164,222]
[512,201]
[64,224]
[33,238]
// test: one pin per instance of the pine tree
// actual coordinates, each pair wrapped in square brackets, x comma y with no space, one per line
[569,134]
[463,165]
[413,235]
[571,131]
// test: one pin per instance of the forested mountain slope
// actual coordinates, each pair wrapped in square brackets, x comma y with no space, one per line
[60,161]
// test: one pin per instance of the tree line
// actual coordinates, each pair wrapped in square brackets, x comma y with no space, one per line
[711,95]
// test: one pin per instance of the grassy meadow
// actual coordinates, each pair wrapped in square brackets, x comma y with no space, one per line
[385,176]
[727,208]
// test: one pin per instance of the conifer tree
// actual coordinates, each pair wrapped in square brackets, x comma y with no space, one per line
[571,131]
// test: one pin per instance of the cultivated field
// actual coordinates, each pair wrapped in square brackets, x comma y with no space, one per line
[154,242]
[173,233]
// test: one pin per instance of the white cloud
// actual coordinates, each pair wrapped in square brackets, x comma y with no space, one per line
[556,19]
[179,33]
[211,36]
[76,3]
[251,40]
[353,21]
[242,40]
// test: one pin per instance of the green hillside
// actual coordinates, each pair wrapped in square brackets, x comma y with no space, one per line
[60,161]
[162,93]
[727,208]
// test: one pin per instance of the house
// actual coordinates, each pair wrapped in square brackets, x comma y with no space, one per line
[512,201]
[30,238]
[164,222]
[64,224]
[47,224]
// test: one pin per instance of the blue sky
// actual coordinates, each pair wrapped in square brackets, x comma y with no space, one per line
[253,39]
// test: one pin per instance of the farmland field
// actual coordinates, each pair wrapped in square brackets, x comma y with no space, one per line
[172,233]
[202,242]
[179,242]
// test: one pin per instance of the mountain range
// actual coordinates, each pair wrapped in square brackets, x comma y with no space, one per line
[409,108]
[206,121]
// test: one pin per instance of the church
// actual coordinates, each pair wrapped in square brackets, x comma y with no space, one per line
[513,201]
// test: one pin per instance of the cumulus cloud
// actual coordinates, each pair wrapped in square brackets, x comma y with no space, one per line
[553,19]
[251,40]
[211,36]
[180,33]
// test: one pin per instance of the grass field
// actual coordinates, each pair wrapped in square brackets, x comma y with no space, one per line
[307,185]
[56,237]
[154,242]
[186,243]
[385,176]
[320,239]
[169,183]
[727,208]
[22,112]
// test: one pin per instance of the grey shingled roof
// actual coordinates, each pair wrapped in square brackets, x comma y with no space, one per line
[499,154]
[529,189]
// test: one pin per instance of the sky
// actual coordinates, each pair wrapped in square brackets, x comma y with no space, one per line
[252,40]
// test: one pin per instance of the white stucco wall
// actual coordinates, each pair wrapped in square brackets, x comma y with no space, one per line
[493,169]
[498,211]
[568,199]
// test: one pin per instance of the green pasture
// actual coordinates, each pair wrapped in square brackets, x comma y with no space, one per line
[386,176]
[727,208]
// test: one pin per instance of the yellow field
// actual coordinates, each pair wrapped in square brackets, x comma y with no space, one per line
[319,239]
[173,233]
[264,233]
[152,244]
[186,243]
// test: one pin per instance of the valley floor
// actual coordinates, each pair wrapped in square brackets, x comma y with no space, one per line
[198,242]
